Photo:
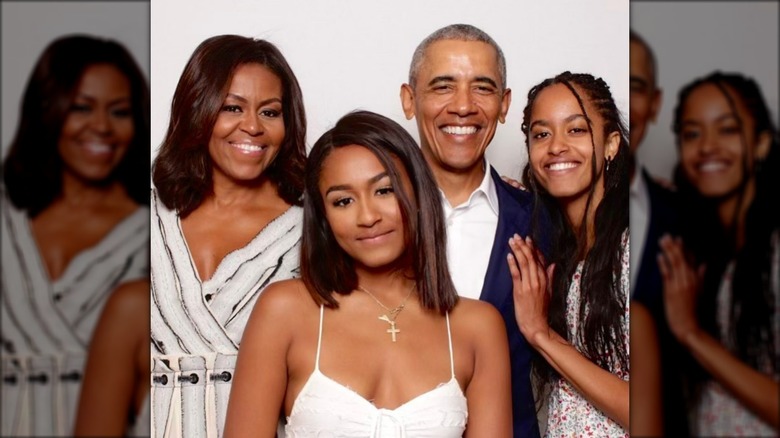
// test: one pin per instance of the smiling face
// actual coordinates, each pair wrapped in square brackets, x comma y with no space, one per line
[713,146]
[98,128]
[458,101]
[560,148]
[249,129]
[361,206]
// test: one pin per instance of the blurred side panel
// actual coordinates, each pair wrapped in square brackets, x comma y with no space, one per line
[66,250]
[719,330]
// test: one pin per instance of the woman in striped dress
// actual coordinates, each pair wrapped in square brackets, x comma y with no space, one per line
[74,223]
[226,221]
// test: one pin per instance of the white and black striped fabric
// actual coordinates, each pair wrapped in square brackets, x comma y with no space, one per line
[47,325]
[197,326]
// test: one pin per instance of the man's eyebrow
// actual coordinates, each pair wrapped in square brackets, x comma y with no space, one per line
[486,79]
[445,78]
[639,81]
[438,79]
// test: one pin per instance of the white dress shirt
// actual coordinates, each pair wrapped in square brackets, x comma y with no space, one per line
[471,228]
[639,211]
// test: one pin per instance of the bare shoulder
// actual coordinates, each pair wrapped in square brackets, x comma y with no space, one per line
[479,317]
[128,301]
[284,298]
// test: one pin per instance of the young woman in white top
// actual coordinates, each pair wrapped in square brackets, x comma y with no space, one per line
[373,340]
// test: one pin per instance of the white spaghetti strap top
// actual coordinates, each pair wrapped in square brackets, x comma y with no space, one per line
[325,407]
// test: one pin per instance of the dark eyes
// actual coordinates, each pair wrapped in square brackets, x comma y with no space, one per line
[479,89]
[80,108]
[546,134]
[270,113]
[83,108]
[385,190]
[695,134]
[344,201]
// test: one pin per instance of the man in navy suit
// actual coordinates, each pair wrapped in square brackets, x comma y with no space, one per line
[653,213]
[457,93]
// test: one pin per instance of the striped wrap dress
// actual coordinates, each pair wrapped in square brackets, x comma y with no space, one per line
[47,325]
[197,326]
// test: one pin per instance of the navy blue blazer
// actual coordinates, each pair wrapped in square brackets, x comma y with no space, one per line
[514,216]
[648,290]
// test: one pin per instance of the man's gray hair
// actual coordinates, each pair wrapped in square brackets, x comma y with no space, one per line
[458,32]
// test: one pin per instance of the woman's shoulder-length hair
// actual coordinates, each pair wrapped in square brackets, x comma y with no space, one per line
[33,169]
[182,170]
[325,267]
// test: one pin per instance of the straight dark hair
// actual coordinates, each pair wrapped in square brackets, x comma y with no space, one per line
[602,303]
[182,170]
[423,218]
[33,169]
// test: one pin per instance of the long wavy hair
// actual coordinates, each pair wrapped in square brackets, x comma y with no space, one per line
[182,170]
[750,335]
[33,168]
[425,232]
[602,301]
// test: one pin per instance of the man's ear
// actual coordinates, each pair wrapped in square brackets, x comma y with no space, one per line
[407,101]
[506,99]
[655,104]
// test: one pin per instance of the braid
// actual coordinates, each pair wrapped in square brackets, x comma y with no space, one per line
[602,302]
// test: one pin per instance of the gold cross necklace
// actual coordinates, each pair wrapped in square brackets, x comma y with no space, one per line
[391,314]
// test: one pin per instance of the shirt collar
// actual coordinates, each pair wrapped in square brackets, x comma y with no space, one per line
[638,189]
[488,187]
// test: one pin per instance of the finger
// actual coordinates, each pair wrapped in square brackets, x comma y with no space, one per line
[531,274]
[516,244]
[536,252]
[674,262]
[513,270]
[663,267]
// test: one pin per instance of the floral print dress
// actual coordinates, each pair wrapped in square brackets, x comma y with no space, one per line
[718,413]
[569,413]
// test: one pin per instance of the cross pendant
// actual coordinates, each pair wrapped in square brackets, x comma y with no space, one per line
[392,330]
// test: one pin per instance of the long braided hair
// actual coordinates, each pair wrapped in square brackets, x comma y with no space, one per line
[750,335]
[602,302]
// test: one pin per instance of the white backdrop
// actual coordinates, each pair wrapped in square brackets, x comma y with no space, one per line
[28,27]
[691,39]
[355,54]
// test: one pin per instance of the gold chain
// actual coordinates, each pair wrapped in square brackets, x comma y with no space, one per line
[391,313]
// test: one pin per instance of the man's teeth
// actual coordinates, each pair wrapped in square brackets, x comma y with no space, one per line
[248,147]
[562,166]
[460,130]
[712,166]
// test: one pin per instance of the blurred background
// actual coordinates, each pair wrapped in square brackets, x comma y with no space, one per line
[693,38]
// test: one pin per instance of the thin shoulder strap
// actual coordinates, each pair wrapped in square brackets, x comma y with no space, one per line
[449,338]
[319,341]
